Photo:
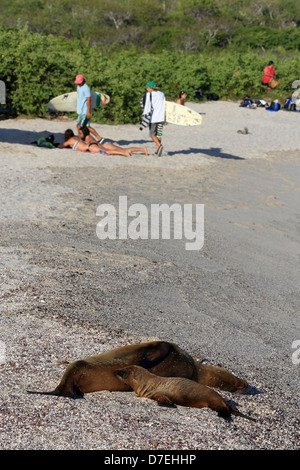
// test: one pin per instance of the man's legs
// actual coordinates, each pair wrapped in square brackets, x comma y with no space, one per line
[156,135]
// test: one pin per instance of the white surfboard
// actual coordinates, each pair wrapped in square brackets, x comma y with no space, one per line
[181,115]
[68,101]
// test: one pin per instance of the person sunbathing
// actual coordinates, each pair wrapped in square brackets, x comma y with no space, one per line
[73,142]
[107,147]
[77,143]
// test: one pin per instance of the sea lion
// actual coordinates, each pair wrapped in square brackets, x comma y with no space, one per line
[96,373]
[172,391]
[218,377]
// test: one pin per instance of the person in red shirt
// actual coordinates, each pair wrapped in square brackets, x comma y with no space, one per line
[269,72]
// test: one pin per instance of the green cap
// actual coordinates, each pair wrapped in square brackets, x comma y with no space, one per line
[151,85]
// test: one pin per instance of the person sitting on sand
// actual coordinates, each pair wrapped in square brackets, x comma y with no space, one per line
[182,97]
[269,74]
[107,147]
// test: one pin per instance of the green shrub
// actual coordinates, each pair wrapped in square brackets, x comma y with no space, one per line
[37,68]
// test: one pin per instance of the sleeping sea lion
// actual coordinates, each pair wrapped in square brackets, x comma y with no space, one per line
[96,373]
[172,391]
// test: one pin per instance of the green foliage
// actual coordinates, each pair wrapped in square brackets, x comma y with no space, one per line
[236,75]
[36,68]
[266,38]
[185,25]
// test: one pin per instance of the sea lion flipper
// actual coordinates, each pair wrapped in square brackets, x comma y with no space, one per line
[57,393]
[34,392]
[163,400]
[153,355]
[242,415]
[218,377]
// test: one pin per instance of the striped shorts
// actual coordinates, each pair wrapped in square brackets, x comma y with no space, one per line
[156,128]
[83,121]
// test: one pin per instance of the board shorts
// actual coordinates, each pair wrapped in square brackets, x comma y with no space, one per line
[83,121]
[156,128]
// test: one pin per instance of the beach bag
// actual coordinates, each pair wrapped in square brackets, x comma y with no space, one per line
[289,105]
[274,106]
[44,142]
[247,102]
[212,96]
[273,83]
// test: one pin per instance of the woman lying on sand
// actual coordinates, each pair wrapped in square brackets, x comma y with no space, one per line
[76,143]
[73,142]
[91,145]
[107,147]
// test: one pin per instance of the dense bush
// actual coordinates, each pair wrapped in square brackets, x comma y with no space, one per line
[267,38]
[184,25]
[36,68]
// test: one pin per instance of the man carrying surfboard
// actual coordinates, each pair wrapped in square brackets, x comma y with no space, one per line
[154,105]
[84,105]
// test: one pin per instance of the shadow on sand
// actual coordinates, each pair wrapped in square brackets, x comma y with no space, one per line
[17,136]
[25,137]
[212,152]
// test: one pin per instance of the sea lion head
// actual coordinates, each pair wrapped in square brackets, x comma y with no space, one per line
[130,374]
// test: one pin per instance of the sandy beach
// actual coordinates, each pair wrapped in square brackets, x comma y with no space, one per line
[66,294]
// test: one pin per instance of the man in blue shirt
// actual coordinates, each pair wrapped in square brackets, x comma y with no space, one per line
[84,106]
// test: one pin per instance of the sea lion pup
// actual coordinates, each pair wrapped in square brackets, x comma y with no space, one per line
[96,373]
[172,391]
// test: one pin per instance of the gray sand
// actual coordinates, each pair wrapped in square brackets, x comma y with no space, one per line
[66,294]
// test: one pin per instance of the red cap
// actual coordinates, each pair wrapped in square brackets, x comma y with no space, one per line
[79,79]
